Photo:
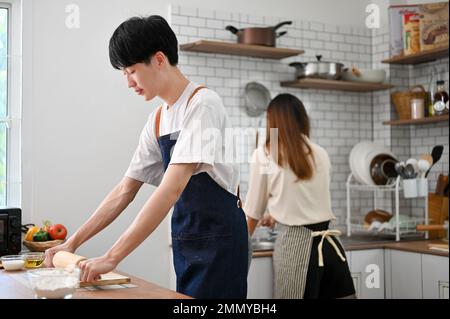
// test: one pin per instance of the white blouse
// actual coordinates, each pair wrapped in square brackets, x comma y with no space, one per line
[274,188]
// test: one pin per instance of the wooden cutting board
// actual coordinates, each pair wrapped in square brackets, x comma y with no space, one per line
[110,278]
[63,259]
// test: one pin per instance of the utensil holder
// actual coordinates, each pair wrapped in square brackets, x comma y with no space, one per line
[437,214]
[422,187]
[410,188]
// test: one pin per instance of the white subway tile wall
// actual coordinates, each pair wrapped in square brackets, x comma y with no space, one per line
[339,120]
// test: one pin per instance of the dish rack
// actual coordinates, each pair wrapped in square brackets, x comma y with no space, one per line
[402,229]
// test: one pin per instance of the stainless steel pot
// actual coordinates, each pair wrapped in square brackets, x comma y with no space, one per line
[318,69]
[258,35]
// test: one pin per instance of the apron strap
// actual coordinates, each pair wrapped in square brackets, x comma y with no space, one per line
[158,121]
[239,201]
[158,112]
[327,234]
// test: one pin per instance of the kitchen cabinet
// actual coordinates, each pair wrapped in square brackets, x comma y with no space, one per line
[405,275]
[435,277]
[260,278]
[416,276]
[367,270]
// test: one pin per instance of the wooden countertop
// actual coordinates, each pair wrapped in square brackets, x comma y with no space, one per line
[416,246]
[13,285]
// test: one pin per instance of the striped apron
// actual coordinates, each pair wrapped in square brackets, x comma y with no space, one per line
[291,258]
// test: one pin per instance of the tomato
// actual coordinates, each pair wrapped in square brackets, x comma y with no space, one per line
[57,231]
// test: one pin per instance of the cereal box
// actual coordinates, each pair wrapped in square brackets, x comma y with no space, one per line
[396,14]
[433,25]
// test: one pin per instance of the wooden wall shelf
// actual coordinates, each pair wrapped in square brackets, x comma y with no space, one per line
[256,51]
[349,86]
[421,57]
[426,120]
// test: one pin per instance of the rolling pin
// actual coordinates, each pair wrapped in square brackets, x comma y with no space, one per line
[429,227]
[62,259]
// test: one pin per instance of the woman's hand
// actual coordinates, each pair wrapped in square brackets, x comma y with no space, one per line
[267,221]
[49,253]
[91,269]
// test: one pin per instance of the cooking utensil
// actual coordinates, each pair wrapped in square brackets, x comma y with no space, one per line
[442,182]
[423,167]
[410,173]
[414,164]
[258,35]
[436,154]
[257,98]
[443,228]
[428,158]
[437,213]
[400,169]
[318,69]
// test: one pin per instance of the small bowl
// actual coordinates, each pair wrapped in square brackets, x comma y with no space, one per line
[54,283]
[13,262]
[367,75]
[34,259]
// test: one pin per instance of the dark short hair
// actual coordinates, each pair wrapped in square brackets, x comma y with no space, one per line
[138,38]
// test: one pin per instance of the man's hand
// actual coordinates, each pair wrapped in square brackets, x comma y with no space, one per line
[91,269]
[49,253]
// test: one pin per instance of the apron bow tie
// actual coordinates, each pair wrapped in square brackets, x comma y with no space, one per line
[327,234]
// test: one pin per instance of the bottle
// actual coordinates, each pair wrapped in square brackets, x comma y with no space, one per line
[440,99]
[430,96]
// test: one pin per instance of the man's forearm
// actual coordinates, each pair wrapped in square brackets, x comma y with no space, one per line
[109,209]
[154,211]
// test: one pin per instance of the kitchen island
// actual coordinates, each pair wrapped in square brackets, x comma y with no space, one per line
[14,285]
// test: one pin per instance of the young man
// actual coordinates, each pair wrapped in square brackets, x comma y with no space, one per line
[209,233]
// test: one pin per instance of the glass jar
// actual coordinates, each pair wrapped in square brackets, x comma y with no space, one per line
[440,99]
[34,259]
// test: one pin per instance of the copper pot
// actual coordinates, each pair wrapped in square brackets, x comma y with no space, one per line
[258,35]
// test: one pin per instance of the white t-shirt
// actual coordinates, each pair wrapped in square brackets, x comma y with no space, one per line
[288,201]
[204,117]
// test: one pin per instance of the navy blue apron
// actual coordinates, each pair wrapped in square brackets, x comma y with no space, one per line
[209,234]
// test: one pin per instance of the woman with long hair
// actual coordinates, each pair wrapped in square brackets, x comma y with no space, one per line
[290,179]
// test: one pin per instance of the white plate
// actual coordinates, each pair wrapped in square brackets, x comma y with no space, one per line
[360,158]
[353,159]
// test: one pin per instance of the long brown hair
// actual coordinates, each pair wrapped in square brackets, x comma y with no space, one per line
[287,114]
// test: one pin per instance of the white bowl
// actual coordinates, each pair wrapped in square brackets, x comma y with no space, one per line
[54,283]
[13,262]
[367,75]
